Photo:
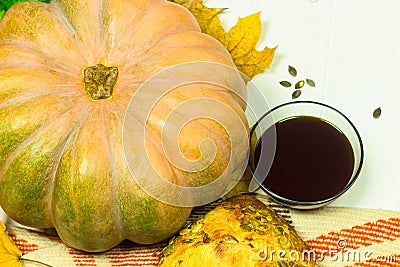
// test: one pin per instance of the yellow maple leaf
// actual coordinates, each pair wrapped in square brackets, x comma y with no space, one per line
[241,40]
[9,252]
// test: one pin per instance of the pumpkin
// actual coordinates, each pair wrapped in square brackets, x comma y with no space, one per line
[68,73]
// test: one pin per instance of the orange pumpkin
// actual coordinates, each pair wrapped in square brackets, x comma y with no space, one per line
[68,71]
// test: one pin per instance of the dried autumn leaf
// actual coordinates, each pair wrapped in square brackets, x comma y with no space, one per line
[241,40]
[9,252]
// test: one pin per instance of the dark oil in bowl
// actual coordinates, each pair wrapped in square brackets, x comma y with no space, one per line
[313,159]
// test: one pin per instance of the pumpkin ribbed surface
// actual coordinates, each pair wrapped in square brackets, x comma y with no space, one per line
[61,150]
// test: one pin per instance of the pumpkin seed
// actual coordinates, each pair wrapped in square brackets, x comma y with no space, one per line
[296,94]
[187,225]
[377,113]
[310,82]
[172,240]
[299,84]
[251,208]
[269,218]
[292,71]
[168,249]
[255,223]
[283,264]
[260,232]
[246,227]
[188,240]
[245,222]
[185,232]
[200,233]
[278,230]
[285,84]
[264,212]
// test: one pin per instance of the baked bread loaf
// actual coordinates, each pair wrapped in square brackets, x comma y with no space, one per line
[240,232]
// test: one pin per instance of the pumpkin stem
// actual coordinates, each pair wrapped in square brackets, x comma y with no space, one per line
[99,81]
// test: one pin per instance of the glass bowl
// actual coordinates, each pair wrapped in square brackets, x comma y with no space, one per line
[262,172]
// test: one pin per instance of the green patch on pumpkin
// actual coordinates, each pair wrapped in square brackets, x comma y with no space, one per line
[6,4]
[28,176]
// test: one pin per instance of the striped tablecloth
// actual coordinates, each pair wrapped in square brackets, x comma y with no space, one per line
[336,237]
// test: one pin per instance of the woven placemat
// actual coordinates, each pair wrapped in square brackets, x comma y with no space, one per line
[336,237]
